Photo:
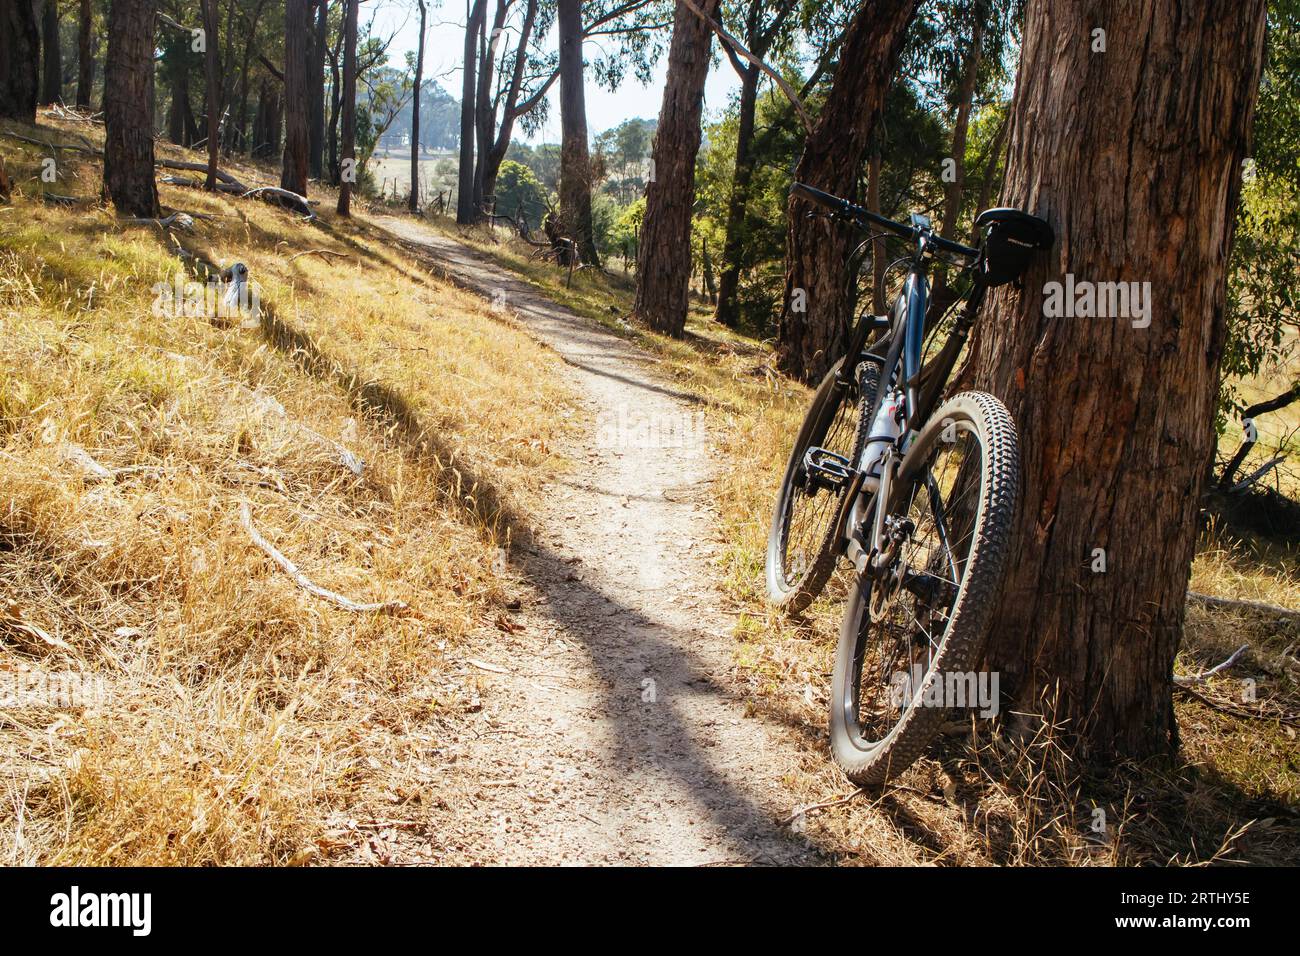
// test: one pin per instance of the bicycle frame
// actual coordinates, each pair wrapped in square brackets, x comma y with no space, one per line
[901,370]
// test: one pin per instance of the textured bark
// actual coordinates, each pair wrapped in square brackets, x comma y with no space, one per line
[879,251]
[466,213]
[510,111]
[484,108]
[336,100]
[728,310]
[212,92]
[810,341]
[664,267]
[1136,161]
[297,29]
[759,38]
[128,109]
[413,203]
[85,56]
[242,140]
[51,58]
[316,89]
[348,146]
[575,161]
[20,43]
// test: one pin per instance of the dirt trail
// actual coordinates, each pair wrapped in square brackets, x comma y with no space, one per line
[610,735]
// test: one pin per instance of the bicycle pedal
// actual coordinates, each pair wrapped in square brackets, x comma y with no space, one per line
[825,470]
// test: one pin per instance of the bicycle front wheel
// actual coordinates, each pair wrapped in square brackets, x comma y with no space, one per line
[914,630]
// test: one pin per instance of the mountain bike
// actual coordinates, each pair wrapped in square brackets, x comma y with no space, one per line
[916,492]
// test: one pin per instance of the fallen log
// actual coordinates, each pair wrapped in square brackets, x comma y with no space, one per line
[306,583]
[222,175]
[1240,604]
[323,253]
[282,197]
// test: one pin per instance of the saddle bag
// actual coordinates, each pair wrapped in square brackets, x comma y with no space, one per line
[1011,239]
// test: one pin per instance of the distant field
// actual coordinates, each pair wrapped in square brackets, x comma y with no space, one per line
[393,172]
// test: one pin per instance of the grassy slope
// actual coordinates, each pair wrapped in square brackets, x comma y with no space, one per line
[1233,795]
[246,721]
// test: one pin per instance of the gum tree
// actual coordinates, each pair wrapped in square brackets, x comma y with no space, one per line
[816,301]
[1136,162]
[664,264]
[19,55]
[128,108]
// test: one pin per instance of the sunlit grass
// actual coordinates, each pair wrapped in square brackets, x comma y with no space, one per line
[243,715]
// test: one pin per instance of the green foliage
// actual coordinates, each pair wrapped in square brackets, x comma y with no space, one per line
[520,193]
[1263,292]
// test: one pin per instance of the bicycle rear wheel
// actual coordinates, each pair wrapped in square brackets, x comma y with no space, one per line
[913,632]
[801,548]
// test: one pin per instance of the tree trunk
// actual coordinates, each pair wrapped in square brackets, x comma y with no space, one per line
[85,56]
[336,101]
[414,202]
[663,274]
[240,141]
[348,147]
[878,250]
[316,87]
[990,170]
[511,110]
[261,138]
[954,190]
[759,37]
[51,60]
[212,82]
[1137,163]
[575,162]
[728,310]
[942,294]
[466,213]
[295,166]
[484,112]
[816,305]
[128,108]
[20,45]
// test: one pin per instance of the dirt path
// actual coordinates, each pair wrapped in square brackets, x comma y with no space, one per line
[609,734]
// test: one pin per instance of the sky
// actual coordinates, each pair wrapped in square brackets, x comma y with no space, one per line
[444,50]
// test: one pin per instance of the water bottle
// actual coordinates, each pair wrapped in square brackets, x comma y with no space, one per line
[884,430]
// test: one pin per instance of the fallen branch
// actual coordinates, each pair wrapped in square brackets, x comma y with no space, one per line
[1239,604]
[222,175]
[814,807]
[1235,711]
[54,199]
[199,184]
[304,582]
[181,220]
[324,253]
[53,147]
[1203,675]
[734,46]
[1257,474]
[283,197]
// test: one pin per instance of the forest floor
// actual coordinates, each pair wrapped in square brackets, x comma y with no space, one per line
[610,731]
[979,799]
[572,512]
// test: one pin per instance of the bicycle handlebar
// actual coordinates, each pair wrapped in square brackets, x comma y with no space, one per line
[844,209]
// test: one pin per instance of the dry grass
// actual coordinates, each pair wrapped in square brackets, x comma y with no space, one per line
[242,720]
[979,799]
